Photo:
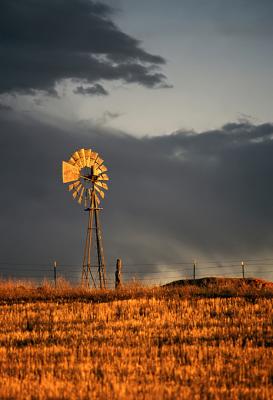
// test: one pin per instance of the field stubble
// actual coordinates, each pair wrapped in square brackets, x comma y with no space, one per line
[153,346]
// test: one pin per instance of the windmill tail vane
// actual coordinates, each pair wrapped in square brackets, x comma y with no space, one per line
[85,174]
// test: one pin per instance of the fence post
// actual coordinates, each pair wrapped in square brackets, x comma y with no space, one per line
[118,282]
[194,269]
[243,269]
[55,273]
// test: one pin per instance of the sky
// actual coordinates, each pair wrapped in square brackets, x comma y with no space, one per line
[216,56]
[176,96]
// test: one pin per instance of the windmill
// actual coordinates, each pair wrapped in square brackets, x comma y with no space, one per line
[85,175]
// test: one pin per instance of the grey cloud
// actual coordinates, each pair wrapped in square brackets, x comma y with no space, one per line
[95,90]
[240,18]
[106,117]
[43,43]
[5,107]
[171,198]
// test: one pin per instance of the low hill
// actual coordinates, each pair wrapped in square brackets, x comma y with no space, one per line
[223,283]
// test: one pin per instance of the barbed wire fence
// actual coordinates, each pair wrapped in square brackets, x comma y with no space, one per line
[148,274]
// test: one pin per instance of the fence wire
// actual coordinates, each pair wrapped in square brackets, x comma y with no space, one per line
[149,273]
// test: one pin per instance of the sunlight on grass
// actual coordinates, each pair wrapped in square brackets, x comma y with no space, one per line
[155,344]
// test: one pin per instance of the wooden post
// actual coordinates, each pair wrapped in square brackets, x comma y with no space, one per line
[194,269]
[55,273]
[118,282]
[243,269]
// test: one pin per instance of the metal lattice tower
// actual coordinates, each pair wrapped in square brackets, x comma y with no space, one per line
[86,176]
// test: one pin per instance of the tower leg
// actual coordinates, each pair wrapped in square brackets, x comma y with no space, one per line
[87,276]
[100,252]
[86,266]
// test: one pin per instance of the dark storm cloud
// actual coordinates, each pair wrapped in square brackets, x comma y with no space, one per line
[44,42]
[95,90]
[171,198]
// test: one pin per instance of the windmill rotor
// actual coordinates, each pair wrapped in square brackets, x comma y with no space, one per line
[85,175]
[85,172]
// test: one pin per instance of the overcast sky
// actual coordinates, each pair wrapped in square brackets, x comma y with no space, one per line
[176,96]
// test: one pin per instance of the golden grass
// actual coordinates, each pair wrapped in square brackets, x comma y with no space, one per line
[158,344]
[12,291]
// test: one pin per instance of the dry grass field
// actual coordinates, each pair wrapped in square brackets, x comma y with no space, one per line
[136,343]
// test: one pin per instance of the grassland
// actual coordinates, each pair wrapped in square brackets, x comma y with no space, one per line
[136,343]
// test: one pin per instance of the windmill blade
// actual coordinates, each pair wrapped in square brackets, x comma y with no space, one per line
[103,177]
[72,161]
[82,157]
[86,198]
[77,158]
[97,200]
[81,196]
[73,185]
[99,161]
[70,172]
[77,191]
[89,193]
[87,157]
[91,162]
[103,169]
[100,192]
[102,185]
[96,170]
[94,155]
